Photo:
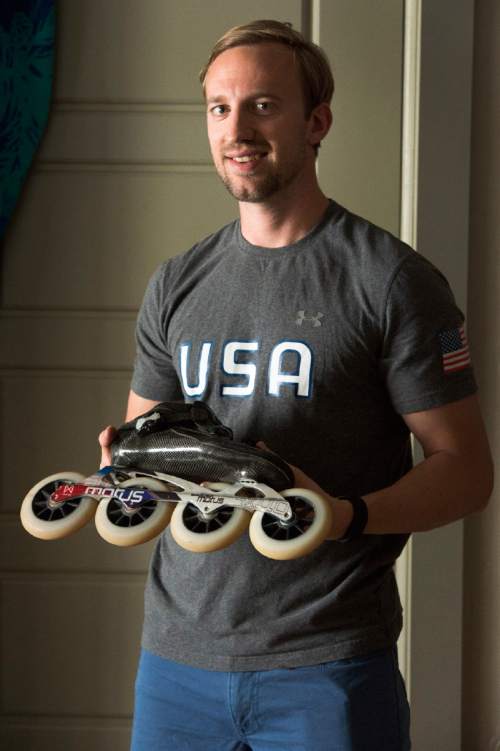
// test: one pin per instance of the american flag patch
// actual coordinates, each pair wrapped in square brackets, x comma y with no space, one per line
[454,349]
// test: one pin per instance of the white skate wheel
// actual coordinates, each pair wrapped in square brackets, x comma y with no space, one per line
[192,532]
[45,523]
[149,520]
[310,526]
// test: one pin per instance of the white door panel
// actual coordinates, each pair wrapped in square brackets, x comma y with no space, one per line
[123,180]
[149,51]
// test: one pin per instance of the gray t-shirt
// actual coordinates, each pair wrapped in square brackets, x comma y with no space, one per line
[317,349]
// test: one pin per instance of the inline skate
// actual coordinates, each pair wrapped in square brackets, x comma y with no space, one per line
[177,464]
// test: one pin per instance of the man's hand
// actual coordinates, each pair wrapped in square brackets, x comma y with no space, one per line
[342,510]
[136,407]
[105,440]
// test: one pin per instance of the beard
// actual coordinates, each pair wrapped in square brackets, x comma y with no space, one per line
[258,189]
[267,187]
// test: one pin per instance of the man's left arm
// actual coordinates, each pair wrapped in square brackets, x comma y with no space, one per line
[454,479]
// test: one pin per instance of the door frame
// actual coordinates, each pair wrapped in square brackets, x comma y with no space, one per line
[437,93]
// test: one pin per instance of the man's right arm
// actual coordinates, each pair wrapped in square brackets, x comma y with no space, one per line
[136,406]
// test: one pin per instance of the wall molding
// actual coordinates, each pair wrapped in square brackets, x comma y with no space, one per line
[408,233]
[109,167]
[99,578]
[63,374]
[411,115]
[110,107]
[12,314]
[70,722]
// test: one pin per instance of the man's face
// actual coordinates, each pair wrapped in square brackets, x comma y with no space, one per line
[256,120]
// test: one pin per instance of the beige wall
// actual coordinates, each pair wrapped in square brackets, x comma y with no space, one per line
[123,179]
[481,685]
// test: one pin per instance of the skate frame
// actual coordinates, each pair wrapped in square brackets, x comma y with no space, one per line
[105,485]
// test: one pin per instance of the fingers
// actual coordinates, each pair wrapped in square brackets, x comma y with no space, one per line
[106,437]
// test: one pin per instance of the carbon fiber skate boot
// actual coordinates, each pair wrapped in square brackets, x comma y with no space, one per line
[188,441]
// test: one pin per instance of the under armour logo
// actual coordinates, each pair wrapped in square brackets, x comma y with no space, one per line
[314,319]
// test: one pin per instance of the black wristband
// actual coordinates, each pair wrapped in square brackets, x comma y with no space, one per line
[358,521]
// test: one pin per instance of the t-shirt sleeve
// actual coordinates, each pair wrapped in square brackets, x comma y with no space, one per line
[425,355]
[154,375]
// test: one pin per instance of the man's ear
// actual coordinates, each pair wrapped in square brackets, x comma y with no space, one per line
[320,122]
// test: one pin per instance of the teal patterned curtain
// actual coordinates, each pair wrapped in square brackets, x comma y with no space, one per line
[26,68]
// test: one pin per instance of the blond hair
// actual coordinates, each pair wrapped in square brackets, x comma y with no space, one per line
[317,79]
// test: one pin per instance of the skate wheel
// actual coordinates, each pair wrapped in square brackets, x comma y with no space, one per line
[118,527]
[199,534]
[48,523]
[310,526]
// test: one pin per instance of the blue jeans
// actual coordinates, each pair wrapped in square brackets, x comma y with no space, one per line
[357,704]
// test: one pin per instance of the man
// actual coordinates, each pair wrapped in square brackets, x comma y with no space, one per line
[309,328]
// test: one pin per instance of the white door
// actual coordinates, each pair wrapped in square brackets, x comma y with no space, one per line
[123,181]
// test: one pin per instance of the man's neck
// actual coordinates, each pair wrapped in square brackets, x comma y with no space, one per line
[283,220]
